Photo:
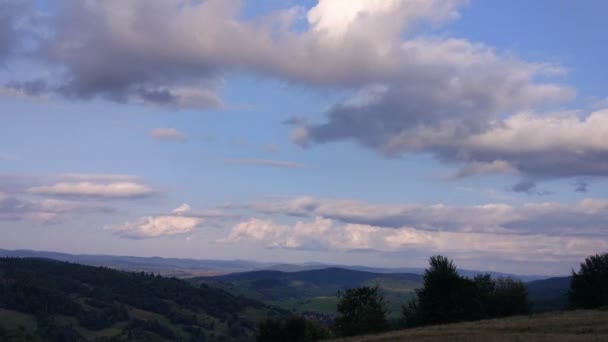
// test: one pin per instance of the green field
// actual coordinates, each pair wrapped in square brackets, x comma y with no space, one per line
[568,326]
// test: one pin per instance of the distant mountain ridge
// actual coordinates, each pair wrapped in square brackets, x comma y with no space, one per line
[186,268]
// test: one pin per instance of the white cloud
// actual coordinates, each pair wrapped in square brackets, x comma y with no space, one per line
[182,209]
[97,177]
[507,247]
[255,229]
[381,19]
[159,226]
[91,189]
[566,133]
[333,236]
[587,217]
[167,134]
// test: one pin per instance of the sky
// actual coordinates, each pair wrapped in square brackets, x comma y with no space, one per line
[368,132]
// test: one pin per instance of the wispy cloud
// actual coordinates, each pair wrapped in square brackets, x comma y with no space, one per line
[48,211]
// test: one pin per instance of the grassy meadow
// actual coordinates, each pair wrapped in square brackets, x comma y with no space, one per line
[567,326]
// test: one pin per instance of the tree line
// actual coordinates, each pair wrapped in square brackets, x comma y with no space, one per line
[445,297]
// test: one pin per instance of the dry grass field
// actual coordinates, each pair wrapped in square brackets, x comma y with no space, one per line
[573,326]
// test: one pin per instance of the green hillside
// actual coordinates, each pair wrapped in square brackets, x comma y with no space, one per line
[570,326]
[314,290]
[44,300]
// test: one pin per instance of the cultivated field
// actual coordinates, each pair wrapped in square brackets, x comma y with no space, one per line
[573,326]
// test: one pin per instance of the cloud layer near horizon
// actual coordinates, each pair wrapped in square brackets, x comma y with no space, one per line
[547,232]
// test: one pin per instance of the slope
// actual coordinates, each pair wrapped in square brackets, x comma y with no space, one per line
[571,326]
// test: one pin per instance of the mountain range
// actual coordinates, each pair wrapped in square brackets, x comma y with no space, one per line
[188,268]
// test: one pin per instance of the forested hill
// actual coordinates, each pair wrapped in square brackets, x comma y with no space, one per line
[56,301]
[329,279]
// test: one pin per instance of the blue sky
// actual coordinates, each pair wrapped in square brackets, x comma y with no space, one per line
[356,132]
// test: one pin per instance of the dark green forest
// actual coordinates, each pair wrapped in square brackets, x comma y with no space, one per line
[71,302]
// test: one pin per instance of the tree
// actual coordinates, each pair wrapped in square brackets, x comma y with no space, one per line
[448,297]
[510,298]
[445,296]
[362,310]
[486,289]
[589,287]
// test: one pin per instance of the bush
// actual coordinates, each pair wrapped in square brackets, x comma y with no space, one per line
[295,329]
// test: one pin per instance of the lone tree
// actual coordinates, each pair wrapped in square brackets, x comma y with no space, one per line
[589,287]
[362,311]
[446,296]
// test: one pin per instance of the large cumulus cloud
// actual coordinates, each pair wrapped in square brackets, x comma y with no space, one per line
[121,52]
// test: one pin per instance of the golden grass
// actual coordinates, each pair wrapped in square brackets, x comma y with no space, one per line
[572,326]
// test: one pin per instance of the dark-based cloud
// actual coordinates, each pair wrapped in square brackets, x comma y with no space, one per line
[120,52]
[465,103]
